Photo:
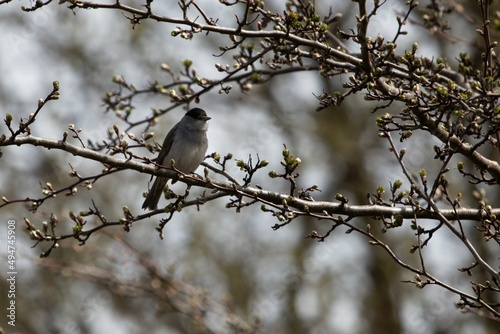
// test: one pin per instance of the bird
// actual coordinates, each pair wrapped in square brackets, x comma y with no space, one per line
[186,143]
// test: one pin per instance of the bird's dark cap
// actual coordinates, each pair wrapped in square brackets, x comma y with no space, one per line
[198,114]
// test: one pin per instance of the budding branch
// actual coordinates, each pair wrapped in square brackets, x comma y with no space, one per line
[231,189]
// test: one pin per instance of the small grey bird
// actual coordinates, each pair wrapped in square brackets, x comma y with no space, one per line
[186,143]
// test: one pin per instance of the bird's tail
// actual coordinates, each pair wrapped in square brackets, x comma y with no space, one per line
[151,201]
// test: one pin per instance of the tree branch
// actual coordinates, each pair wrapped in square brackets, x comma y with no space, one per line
[461,147]
[231,189]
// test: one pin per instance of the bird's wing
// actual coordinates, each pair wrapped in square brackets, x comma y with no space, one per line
[167,145]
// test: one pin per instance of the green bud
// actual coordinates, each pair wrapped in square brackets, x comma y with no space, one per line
[442,91]
[168,208]
[292,16]
[172,93]
[118,79]
[183,89]
[77,229]
[398,220]
[380,122]
[273,174]
[187,62]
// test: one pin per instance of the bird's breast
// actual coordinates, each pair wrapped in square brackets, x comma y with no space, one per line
[188,153]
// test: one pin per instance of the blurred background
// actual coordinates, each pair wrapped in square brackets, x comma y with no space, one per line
[215,268]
